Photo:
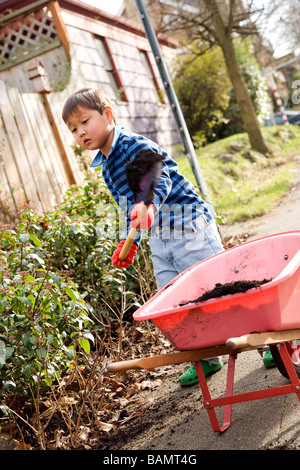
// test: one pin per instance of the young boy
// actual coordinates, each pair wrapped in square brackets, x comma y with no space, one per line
[183,232]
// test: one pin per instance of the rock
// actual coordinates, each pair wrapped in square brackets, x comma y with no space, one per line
[249,156]
[227,157]
[254,157]
[236,147]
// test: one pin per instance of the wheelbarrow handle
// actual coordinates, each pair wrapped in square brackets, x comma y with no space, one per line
[152,362]
[263,339]
[232,346]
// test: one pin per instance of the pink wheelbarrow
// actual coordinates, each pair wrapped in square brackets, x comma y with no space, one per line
[267,315]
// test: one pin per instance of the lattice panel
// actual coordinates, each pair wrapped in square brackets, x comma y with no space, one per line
[27,37]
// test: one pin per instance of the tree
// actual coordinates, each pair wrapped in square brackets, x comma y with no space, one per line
[203,96]
[205,92]
[216,22]
[288,23]
[256,85]
[223,36]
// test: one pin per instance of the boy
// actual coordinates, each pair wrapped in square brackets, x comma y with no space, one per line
[183,232]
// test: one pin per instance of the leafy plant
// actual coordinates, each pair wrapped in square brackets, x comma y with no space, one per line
[58,288]
[202,87]
[206,95]
[43,319]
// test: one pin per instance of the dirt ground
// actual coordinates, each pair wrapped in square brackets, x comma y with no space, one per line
[166,417]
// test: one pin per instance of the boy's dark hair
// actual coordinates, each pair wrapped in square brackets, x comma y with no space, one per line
[88,98]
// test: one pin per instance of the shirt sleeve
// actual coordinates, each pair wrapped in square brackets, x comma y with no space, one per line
[164,184]
[161,192]
[163,187]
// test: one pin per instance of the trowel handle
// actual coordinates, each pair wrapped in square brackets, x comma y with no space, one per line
[128,243]
[132,234]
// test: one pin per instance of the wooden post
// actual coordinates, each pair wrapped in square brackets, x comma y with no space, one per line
[60,27]
[64,156]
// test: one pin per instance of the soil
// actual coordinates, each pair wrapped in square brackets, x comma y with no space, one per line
[229,288]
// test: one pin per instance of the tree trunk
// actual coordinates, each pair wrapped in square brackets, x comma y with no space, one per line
[243,99]
[223,36]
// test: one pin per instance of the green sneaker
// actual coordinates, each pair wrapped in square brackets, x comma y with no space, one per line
[189,377]
[268,360]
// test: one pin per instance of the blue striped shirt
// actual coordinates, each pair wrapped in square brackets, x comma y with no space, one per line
[177,204]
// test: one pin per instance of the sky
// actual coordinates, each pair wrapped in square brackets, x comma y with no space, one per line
[272,31]
[110,6]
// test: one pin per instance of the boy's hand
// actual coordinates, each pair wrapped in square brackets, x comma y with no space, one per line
[142,216]
[129,258]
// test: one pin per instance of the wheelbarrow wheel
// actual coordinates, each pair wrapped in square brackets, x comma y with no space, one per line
[294,352]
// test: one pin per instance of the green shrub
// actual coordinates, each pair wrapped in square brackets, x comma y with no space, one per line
[42,316]
[58,288]
[82,236]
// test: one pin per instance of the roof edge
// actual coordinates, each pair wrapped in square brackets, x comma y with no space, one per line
[89,11]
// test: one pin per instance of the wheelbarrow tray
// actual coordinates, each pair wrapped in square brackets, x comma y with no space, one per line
[272,306]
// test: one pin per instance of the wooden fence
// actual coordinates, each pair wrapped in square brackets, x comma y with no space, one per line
[35,169]
[37,163]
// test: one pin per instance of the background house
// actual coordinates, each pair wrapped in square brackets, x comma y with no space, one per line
[49,49]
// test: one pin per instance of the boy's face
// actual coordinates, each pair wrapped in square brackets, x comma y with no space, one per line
[90,129]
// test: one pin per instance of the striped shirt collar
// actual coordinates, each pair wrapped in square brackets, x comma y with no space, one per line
[100,158]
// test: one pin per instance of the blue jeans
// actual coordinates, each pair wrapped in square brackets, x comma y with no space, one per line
[174,252]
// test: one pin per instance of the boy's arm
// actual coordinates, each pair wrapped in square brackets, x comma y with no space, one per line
[162,188]
[160,194]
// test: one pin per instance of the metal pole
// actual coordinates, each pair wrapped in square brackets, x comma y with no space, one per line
[172,98]
[269,70]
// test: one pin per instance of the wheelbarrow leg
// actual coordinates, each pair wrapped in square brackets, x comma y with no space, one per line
[229,398]
[287,360]
[208,402]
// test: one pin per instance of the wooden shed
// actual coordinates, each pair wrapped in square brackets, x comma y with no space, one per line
[49,49]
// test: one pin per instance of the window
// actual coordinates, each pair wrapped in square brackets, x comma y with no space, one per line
[111,70]
[151,76]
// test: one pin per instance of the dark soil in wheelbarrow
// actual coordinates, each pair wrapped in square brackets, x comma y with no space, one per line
[228,288]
